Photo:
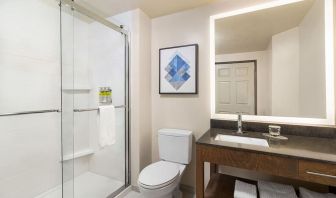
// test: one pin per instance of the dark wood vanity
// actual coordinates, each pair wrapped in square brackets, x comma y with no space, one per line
[310,158]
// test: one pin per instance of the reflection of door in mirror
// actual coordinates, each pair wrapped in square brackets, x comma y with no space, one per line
[236,87]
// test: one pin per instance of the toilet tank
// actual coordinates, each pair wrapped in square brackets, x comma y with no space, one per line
[175,145]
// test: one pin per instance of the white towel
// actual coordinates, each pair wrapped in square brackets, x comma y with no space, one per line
[244,190]
[305,193]
[275,190]
[107,129]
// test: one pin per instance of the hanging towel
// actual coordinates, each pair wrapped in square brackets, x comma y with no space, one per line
[107,124]
[244,190]
[275,190]
[305,193]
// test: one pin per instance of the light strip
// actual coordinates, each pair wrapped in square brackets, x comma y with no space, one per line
[329,57]
[264,6]
[329,48]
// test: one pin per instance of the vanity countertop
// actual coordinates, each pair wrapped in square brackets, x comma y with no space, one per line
[313,148]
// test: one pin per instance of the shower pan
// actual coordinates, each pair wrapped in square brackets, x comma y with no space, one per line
[55,56]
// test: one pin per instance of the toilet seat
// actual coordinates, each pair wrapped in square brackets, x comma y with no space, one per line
[158,175]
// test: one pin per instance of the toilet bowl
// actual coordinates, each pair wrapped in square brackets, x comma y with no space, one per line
[161,179]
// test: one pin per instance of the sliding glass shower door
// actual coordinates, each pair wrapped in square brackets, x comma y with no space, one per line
[94,104]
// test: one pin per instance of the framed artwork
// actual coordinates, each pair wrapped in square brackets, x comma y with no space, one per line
[178,70]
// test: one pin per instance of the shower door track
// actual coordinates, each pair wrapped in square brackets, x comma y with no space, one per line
[94,16]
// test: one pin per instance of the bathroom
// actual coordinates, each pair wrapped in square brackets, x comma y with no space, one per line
[63,62]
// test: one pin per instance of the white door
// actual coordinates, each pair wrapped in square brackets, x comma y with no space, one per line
[235,88]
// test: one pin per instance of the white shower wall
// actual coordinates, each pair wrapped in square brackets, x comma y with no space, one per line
[99,61]
[107,69]
[30,79]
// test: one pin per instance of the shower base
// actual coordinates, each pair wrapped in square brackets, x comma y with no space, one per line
[87,185]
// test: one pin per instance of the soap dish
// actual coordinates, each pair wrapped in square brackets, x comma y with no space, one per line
[279,137]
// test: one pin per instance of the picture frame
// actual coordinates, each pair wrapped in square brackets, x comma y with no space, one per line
[178,69]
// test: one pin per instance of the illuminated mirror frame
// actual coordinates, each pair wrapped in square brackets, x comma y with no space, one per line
[329,61]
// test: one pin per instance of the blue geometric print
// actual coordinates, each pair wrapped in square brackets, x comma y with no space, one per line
[178,72]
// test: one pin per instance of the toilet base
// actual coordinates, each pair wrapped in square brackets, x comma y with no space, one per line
[177,193]
[173,194]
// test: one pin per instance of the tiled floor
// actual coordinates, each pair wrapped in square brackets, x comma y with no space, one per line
[134,194]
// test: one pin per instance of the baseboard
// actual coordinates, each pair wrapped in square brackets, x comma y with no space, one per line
[187,189]
[183,187]
[124,192]
[136,189]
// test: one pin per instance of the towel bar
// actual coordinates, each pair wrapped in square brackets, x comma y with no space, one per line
[30,112]
[51,111]
[96,109]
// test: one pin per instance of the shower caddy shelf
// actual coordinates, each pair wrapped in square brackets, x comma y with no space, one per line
[78,154]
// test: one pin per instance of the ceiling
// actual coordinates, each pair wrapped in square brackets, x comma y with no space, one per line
[253,31]
[153,8]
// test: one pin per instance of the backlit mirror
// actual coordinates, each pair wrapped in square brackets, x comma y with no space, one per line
[272,61]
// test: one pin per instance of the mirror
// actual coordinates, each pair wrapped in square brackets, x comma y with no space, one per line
[272,62]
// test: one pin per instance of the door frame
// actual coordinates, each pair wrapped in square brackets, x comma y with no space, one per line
[255,78]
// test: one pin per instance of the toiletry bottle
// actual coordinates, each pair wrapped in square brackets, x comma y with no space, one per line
[105,95]
[109,94]
[101,95]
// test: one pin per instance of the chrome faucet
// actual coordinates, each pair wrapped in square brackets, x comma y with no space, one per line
[240,123]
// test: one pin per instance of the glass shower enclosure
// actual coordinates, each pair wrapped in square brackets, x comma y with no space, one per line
[64,97]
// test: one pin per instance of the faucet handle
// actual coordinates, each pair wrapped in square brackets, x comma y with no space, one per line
[239,123]
[239,115]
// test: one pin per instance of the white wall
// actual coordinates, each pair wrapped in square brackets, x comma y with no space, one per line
[188,111]
[285,73]
[145,89]
[107,69]
[76,90]
[140,94]
[269,74]
[263,85]
[302,52]
[29,80]
[312,63]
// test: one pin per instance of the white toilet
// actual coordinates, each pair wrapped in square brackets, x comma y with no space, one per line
[161,179]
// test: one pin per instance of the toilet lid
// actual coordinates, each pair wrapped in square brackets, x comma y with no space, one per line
[158,174]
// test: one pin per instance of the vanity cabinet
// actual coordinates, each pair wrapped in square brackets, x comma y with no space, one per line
[277,160]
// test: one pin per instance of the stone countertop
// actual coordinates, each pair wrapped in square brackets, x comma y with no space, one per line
[312,148]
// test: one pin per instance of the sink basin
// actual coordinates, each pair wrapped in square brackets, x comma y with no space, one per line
[242,140]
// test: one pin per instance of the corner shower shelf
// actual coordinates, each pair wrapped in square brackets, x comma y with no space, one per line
[78,154]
